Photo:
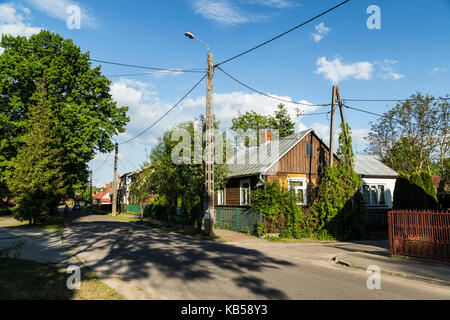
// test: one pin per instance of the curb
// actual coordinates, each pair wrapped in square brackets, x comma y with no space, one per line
[338,260]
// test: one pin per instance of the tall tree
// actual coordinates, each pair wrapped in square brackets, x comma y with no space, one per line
[340,207]
[254,121]
[37,183]
[185,179]
[412,135]
[85,115]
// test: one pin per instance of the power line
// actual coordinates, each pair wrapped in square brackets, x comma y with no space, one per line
[388,100]
[149,68]
[284,33]
[103,162]
[154,123]
[269,96]
[365,111]
[146,73]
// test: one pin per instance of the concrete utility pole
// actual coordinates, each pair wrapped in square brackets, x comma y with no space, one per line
[209,167]
[209,137]
[90,188]
[298,114]
[114,184]
[333,102]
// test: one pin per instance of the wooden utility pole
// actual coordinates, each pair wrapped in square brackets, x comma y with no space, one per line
[114,184]
[341,108]
[209,167]
[333,102]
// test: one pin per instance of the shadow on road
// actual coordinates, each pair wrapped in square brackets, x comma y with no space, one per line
[137,251]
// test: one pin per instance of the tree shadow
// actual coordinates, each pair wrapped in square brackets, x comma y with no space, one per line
[138,252]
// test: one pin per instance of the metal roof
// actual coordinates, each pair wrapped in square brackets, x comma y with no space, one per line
[257,160]
[371,166]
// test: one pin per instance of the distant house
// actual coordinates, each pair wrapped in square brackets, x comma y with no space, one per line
[300,160]
[378,182]
[102,198]
[125,182]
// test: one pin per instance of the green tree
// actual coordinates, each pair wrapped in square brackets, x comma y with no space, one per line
[85,115]
[183,181]
[282,121]
[37,183]
[340,207]
[413,135]
[254,121]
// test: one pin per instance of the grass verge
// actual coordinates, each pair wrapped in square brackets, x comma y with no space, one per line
[55,223]
[28,280]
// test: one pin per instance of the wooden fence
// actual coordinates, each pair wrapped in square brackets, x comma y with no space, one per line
[419,233]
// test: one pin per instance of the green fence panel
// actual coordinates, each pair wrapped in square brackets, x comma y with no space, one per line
[238,219]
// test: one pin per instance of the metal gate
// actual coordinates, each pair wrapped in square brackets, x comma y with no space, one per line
[419,233]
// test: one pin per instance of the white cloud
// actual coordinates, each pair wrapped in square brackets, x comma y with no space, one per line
[14,20]
[321,32]
[229,13]
[387,70]
[336,71]
[226,105]
[220,11]
[278,4]
[438,70]
[58,9]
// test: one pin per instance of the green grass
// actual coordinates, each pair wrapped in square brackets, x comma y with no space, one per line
[54,223]
[28,280]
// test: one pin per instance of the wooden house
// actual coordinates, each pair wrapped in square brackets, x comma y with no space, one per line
[297,163]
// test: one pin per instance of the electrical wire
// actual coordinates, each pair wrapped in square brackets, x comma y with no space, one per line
[143,74]
[103,163]
[165,114]
[283,34]
[365,111]
[269,96]
[388,100]
[149,68]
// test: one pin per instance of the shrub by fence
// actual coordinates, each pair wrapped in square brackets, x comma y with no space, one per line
[417,233]
[238,219]
[158,212]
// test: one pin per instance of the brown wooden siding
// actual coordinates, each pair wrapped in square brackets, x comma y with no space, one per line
[295,163]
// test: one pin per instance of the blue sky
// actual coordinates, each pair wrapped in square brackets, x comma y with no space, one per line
[409,53]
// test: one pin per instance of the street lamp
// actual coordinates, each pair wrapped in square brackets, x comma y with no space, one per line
[191,36]
[209,167]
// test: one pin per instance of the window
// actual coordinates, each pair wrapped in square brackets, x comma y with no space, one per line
[299,187]
[309,150]
[244,192]
[220,197]
[374,195]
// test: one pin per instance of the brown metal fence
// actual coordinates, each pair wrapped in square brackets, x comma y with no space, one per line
[417,233]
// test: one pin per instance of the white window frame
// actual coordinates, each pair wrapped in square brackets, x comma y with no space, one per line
[304,188]
[377,196]
[241,183]
[223,202]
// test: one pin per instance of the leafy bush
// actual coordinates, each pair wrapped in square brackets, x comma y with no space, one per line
[417,192]
[278,204]
[286,234]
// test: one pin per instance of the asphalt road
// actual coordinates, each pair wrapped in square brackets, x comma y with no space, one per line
[148,263]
